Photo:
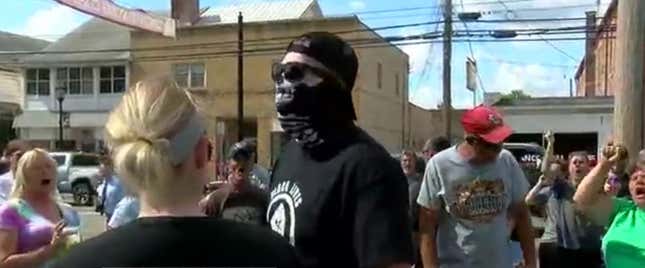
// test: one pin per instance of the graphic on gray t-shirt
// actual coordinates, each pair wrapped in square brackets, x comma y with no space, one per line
[473,202]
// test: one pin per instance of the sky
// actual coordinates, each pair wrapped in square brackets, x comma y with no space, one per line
[539,68]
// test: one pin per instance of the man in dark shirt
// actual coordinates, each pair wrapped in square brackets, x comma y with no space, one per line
[409,162]
[238,200]
[336,194]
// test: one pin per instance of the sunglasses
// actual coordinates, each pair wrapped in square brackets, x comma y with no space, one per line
[294,71]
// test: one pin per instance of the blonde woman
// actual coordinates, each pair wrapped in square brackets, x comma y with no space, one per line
[160,151]
[33,221]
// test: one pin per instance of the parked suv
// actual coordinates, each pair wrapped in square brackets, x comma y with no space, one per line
[77,175]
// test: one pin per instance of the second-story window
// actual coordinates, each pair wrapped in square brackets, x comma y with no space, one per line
[37,82]
[379,75]
[396,84]
[75,80]
[191,75]
[112,79]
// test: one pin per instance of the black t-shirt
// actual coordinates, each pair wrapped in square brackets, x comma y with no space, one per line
[342,205]
[414,185]
[182,242]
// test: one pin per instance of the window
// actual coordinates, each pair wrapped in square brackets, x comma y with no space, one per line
[379,75]
[38,82]
[396,84]
[60,160]
[112,79]
[85,160]
[75,80]
[190,75]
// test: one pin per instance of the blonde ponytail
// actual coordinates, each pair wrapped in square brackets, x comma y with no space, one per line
[137,133]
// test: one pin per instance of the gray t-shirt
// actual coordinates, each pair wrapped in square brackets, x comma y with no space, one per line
[473,202]
[564,225]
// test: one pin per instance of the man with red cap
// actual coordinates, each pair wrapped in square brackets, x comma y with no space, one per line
[468,194]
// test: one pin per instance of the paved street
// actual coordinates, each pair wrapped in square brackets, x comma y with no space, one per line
[92,223]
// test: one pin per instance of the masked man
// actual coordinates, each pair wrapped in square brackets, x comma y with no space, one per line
[336,194]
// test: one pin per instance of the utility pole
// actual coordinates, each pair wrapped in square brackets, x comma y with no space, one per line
[240,77]
[629,99]
[447,57]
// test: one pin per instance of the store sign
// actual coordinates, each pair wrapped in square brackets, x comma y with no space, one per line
[139,19]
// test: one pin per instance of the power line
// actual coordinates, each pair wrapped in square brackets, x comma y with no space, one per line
[387,41]
[472,54]
[541,37]
[558,49]
[361,30]
[523,63]
[253,42]
[209,44]
[489,12]
[427,67]
[364,45]
[421,7]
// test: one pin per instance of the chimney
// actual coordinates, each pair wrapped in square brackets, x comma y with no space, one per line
[590,57]
[186,12]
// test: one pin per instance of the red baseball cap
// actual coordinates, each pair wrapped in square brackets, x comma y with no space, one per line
[486,123]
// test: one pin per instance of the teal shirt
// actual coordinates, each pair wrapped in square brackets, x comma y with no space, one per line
[624,244]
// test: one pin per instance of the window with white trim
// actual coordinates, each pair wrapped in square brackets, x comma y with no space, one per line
[112,79]
[75,80]
[37,82]
[190,75]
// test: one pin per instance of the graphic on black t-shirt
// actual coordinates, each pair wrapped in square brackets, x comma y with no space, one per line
[285,198]
[479,200]
[245,214]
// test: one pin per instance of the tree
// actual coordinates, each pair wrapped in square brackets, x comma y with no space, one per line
[511,97]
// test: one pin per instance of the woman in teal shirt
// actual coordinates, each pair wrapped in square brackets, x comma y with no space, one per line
[624,244]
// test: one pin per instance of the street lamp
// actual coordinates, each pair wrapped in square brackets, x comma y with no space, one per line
[60,96]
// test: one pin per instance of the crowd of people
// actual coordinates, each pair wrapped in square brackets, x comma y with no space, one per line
[335,197]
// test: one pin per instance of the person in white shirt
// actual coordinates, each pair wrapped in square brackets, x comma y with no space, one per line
[13,152]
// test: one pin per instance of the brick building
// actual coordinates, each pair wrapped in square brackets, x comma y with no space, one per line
[596,74]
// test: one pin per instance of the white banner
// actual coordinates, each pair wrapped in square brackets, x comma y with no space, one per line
[139,19]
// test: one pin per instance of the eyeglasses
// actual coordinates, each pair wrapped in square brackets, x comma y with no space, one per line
[294,71]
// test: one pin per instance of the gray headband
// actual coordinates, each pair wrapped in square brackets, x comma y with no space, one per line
[184,141]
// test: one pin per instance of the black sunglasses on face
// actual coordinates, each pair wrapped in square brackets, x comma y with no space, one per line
[294,71]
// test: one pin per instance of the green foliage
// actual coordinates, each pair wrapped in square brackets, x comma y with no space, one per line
[511,97]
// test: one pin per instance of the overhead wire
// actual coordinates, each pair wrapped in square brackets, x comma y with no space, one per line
[421,7]
[427,65]
[251,42]
[280,50]
[541,37]
[364,44]
[470,48]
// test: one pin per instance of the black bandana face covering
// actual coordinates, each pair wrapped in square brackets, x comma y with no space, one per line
[297,108]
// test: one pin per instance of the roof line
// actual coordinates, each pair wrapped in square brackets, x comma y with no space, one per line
[266,22]
[379,36]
